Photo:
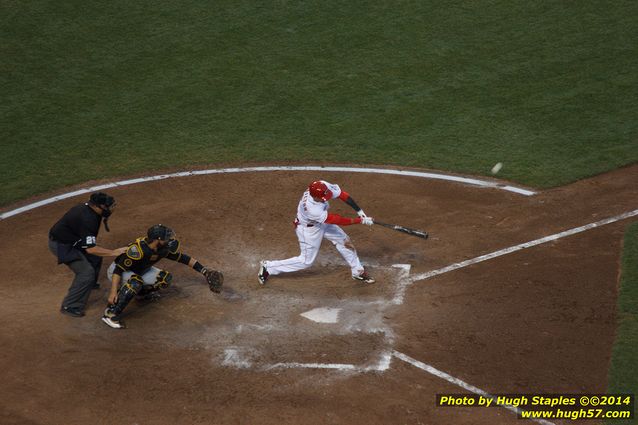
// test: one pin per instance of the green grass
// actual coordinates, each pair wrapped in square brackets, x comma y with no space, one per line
[623,372]
[93,89]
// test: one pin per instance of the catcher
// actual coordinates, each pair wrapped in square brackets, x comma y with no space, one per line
[133,273]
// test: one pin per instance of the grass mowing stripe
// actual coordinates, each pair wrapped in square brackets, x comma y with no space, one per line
[623,371]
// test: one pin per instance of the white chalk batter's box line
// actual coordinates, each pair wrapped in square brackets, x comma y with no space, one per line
[381,366]
[436,176]
[233,357]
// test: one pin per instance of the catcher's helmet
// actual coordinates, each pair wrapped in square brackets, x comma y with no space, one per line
[319,190]
[161,232]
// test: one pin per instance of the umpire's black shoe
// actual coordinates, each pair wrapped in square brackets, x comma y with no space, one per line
[71,311]
[95,286]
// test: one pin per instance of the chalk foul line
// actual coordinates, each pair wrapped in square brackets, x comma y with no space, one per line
[521,246]
[459,383]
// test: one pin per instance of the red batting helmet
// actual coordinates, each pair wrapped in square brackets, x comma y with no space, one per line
[319,190]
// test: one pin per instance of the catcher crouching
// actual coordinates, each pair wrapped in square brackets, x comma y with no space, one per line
[134,274]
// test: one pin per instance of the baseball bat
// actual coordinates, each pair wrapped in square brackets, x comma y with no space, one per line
[398,228]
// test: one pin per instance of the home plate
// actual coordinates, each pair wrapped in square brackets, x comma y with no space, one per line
[323,315]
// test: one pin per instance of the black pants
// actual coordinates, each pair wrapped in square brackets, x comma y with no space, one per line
[86,269]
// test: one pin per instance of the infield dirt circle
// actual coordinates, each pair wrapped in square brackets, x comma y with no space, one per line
[540,320]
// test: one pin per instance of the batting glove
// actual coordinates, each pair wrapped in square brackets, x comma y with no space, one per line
[361,214]
[367,221]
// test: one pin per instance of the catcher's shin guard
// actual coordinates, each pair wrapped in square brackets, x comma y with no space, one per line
[162,280]
[126,294]
[147,293]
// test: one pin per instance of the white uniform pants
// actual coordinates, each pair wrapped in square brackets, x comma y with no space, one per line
[309,241]
[149,277]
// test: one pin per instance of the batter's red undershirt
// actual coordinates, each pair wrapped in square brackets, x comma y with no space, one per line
[340,220]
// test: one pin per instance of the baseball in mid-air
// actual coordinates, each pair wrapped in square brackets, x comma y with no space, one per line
[496,168]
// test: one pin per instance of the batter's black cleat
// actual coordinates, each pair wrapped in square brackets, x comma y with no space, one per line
[263,273]
[364,277]
[111,320]
[72,311]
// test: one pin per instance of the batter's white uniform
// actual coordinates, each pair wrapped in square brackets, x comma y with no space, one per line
[311,229]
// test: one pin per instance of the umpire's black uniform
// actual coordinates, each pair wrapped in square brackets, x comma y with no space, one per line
[69,238]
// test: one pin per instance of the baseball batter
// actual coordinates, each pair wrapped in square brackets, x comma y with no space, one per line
[312,225]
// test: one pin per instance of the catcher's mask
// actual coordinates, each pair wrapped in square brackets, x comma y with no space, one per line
[161,232]
[319,190]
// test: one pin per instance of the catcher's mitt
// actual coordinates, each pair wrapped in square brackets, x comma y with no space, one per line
[214,278]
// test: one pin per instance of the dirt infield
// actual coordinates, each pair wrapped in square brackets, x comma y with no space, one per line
[538,320]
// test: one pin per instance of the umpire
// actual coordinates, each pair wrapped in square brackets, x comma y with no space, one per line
[73,240]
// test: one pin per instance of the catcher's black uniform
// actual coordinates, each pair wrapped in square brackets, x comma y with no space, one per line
[139,260]
[140,257]
[139,277]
